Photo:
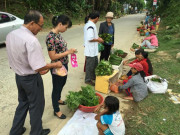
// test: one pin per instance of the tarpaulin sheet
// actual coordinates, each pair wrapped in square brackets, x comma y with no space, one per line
[80,124]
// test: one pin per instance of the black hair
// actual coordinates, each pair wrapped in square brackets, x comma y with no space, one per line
[32,15]
[92,15]
[139,51]
[145,55]
[65,20]
[143,75]
[112,103]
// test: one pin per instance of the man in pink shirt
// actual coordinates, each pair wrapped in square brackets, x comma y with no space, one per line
[153,43]
[27,61]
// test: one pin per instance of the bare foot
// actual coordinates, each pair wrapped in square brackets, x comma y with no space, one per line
[128,98]
[132,49]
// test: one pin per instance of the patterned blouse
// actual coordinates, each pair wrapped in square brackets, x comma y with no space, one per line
[56,42]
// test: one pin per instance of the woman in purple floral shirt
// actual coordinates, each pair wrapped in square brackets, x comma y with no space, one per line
[57,50]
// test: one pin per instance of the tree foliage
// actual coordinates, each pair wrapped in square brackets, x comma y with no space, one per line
[168,10]
[72,6]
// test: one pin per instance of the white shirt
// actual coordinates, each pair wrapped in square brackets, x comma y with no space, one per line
[24,52]
[159,19]
[115,123]
[91,48]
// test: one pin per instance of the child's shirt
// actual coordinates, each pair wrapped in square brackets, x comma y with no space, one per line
[138,87]
[154,19]
[115,123]
[152,28]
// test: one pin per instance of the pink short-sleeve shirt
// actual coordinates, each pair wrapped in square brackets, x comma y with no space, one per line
[24,52]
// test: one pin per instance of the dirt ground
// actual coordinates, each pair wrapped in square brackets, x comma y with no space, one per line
[125,36]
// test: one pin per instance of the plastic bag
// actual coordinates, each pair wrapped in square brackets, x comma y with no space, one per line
[60,71]
[74,60]
[100,47]
[156,87]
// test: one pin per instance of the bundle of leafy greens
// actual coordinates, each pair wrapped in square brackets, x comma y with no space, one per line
[118,52]
[104,68]
[156,79]
[135,46]
[106,37]
[86,97]
[114,59]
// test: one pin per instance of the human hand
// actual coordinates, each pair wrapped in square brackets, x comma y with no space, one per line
[72,50]
[58,64]
[112,45]
[98,108]
[120,81]
[44,72]
[125,62]
[100,40]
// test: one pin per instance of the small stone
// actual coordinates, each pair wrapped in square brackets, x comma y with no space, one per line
[178,55]
[167,27]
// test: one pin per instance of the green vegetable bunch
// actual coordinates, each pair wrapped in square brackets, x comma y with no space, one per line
[106,37]
[114,59]
[141,30]
[134,46]
[118,52]
[142,34]
[155,79]
[86,97]
[89,97]
[103,68]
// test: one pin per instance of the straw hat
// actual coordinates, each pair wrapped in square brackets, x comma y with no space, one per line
[110,14]
[153,32]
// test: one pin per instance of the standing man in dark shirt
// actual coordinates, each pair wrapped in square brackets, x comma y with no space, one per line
[107,27]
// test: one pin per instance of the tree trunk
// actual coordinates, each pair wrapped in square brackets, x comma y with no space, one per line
[5,7]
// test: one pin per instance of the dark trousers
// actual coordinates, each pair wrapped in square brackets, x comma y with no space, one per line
[31,98]
[91,64]
[105,53]
[58,84]
[129,73]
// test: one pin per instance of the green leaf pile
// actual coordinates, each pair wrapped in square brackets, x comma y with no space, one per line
[114,59]
[118,52]
[106,37]
[86,97]
[156,79]
[103,68]
[134,46]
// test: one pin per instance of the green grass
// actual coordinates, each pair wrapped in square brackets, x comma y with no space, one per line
[157,115]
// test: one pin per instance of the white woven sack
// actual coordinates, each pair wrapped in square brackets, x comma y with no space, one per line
[156,87]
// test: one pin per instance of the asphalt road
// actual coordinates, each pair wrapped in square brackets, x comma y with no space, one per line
[125,36]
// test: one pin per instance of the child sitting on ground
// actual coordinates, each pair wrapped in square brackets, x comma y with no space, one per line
[110,121]
[137,84]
